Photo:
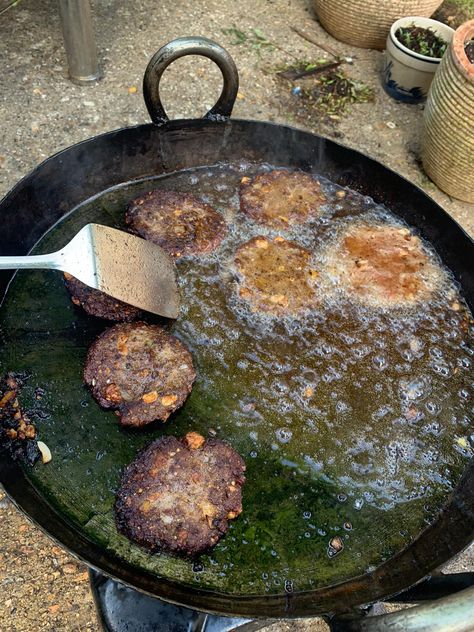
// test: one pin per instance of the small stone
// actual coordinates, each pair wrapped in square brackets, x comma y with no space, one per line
[69,568]
[53,609]
[390,124]
[132,90]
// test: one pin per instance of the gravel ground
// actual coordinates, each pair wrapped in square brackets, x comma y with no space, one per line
[41,586]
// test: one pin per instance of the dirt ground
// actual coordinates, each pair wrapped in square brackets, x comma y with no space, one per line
[41,586]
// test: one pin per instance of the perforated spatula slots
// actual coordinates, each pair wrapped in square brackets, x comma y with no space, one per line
[126,267]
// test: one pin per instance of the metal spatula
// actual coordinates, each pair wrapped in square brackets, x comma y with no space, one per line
[126,267]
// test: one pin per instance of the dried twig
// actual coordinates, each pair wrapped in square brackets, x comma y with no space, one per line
[310,39]
[12,4]
[293,74]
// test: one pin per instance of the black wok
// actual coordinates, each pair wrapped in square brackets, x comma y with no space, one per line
[87,169]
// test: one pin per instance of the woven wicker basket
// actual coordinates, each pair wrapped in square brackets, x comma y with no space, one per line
[366,23]
[448,122]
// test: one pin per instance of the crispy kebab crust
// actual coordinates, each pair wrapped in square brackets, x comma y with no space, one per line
[275,275]
[281,198]
[180,223]
[179,494]
[141,370]
[96,303]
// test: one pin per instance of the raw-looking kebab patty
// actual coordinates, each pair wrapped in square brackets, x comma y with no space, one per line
[178,222]
[141,370]
[384,265]
[179,494]
[275,275]
[281,198]
[97,303]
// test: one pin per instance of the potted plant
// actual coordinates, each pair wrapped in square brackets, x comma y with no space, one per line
[447,141]
[415,47]
[366,23]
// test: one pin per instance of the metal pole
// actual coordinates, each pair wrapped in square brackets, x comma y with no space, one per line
[79,40]
[452,614]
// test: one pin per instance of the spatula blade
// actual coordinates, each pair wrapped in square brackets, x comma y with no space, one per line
[135,271]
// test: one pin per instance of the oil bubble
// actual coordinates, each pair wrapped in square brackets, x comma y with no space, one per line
[433,408]
[414,389]
[283,435]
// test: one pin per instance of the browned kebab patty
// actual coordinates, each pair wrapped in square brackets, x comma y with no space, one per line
[97,303]
[385,265]
[179,494]
[141,370]
[281,198]
[178,222]
[276,275]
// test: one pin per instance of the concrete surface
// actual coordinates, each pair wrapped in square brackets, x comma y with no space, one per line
[41,586]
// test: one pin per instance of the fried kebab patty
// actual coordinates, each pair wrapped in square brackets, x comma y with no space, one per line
[178,222]
[97,303]
[281,198]
[384,264]
[141,370]
[179,494]
[276,275]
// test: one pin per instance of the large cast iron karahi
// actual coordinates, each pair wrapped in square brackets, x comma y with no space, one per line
[88,168]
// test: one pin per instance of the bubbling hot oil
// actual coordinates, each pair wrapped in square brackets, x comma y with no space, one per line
[374,400]
[341,414]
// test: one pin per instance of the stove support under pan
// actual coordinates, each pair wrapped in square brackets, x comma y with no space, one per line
[123,609]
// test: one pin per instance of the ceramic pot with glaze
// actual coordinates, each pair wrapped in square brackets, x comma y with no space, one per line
[447,140]
[406,75]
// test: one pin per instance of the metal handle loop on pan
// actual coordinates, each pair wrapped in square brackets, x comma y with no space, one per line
[180,48]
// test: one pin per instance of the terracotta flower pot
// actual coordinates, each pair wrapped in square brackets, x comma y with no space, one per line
[448,122]
[406,75]
[366,23]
